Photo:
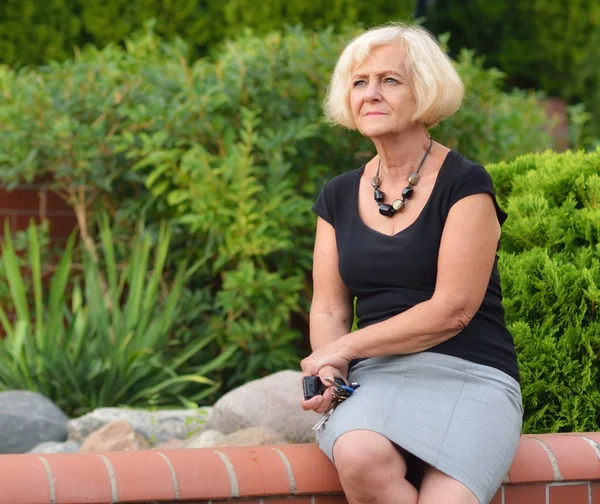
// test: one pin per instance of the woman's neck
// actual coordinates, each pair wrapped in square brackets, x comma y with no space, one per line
[400,155]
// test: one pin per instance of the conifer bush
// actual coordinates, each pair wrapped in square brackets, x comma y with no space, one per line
[550,270]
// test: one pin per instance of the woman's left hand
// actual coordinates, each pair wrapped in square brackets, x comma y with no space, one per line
[330,355]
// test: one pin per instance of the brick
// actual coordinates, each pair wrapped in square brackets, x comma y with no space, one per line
[498,497]
[55,203]
[576,457]
[19,199]
[259,470]
[201,474]
[595,493]
[313,472]
[287,500]
[594,436]
[142,476]
[23,480]
[330,499]
[525,494]
[531,463]
[569,494]
[79,478]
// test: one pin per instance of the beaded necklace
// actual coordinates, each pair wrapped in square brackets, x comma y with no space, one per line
[399,204]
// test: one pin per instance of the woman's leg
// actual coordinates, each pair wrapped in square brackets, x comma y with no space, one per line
[372,470]
[439,488]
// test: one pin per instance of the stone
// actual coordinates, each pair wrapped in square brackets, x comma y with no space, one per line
[273,401]
[156,426]
[54,447]
[28,419]
[205,439]
[252,436]
[170,444]
[115,436]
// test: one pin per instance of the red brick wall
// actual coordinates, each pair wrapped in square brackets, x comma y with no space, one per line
[35,201]
[548,469]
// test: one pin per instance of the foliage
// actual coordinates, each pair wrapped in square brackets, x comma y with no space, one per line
[34,32]
[232,151]
[265,17]
[544,45]
[85,346]
[551,272]
[492,125]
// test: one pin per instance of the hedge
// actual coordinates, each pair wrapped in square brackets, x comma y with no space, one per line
[550,270]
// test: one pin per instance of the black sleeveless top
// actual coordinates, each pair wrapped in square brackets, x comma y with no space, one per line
[390,274]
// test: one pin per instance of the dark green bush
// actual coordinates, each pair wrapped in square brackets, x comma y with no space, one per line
[550,270]
[232,151]
[540,44]
[35,32]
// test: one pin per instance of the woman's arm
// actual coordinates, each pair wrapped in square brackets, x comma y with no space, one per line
[331,312]
[465,261]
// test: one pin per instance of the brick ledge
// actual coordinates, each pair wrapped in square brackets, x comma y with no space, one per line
[547,468]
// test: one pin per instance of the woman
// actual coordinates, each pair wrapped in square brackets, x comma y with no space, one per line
[412,235]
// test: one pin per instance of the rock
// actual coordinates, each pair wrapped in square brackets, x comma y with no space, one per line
[205,439]
[115,436]
[273,401]
[54,447]
[251,437]
[170,444]
[155,426]
[28,419]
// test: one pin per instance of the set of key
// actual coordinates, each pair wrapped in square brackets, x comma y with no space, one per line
[340,393]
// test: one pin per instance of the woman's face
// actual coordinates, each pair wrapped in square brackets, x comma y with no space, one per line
[381,99]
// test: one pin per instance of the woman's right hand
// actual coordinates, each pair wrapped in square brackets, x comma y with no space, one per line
[321,403]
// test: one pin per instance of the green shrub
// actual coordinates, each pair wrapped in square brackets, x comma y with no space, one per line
[232,151]
[35,32]
[540,44]
[103,339]
[551,276]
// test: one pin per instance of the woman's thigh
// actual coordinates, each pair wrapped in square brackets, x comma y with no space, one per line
[359,450]
[439,488]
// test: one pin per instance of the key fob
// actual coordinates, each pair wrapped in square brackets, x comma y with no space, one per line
[313,386]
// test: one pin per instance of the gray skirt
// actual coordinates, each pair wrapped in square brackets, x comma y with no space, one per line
[460,417]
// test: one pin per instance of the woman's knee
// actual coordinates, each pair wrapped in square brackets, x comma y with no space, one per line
[364,454]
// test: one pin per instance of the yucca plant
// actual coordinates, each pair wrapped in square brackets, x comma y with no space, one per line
[89,342]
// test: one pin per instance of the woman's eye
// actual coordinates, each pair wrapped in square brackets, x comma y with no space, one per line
[357,83]
[390,79]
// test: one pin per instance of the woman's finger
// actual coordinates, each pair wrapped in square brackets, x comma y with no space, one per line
[324,405]
[312,404]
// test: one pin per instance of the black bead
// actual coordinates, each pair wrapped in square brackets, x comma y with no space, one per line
[387,210]
[407,192]
[379,196]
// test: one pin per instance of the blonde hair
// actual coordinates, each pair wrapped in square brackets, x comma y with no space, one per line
[437,87]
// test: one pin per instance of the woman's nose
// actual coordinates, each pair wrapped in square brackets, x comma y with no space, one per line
[372,93]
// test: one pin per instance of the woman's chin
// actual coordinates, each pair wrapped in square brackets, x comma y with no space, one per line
[379,131]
